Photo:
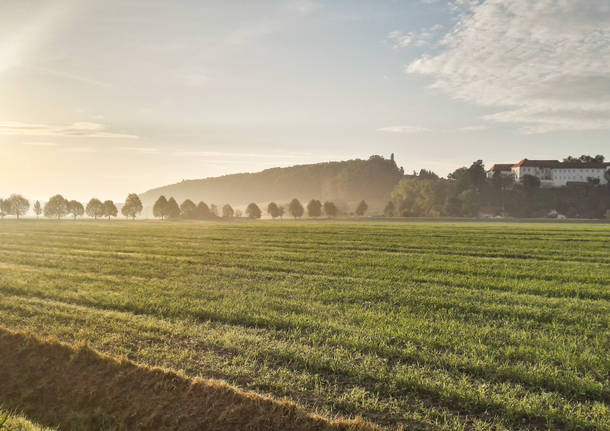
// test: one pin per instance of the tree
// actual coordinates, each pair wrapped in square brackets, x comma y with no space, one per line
[427,175]
[4,207]
[188,209]
[273,210]
[75,208]
[57,207]
[95,208]
[214,210]
[238,213]
[37,209]
[471,202]
[253,211]
[132,206]
[314,208]
[530,182]
[227,211]
[173,210]
[362,208]
[281,211]
[109,209]
[160,207]
[18,205]
[330,209]
[389,209]
[203,211]
[295,208]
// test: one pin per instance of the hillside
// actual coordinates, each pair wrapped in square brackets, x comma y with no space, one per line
[345,181]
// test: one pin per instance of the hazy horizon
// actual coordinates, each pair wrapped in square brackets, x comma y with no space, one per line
[102,99]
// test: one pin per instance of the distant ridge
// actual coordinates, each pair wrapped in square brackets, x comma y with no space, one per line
[344,182]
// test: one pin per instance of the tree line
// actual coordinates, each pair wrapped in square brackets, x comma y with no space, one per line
[467,191]
[169,209]
[59,207]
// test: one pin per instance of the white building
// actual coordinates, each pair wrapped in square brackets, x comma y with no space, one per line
[553,173]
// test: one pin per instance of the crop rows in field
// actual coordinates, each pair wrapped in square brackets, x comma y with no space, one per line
[486,326]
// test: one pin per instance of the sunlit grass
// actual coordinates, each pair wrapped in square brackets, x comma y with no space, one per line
[472,326]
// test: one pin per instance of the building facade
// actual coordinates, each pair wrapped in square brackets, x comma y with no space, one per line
[553,173]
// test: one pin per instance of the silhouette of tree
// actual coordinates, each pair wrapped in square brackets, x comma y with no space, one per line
[109,209]
[173,210]
[389,209]
[273,210]
[361,208]
[214,210]
[253,211]
[227,211]
[132,206]
[330,209]
[75,208]
[95,208]
[314,208]
[57,207]
[18,205]
[203,211]
[295,208]
[160,207]
[281,211]
[188,209]
[37,209]
[238,214]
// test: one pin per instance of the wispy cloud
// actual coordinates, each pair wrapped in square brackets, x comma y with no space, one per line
[544,63]
[40,144]
[404,129]
[83,129]
[143,150]
[423,37]
[237,154]
[472,128]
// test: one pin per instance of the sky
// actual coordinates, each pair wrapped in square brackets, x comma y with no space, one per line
[105,98]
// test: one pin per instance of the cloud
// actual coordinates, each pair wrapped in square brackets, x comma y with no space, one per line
[472,128]
[40,144]
[143,150]
[83,130]
[424,37]
[404,129]
[543,62]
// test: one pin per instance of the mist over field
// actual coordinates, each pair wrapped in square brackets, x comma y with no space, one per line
[294,215]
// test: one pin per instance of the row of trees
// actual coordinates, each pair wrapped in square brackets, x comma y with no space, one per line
[58,207]
[468,190]
[169,209]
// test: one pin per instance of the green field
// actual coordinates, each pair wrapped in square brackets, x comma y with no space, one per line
[424,325]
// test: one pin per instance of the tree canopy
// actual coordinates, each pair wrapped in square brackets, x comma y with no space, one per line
[132,206]
[295,208]
[253,211]
[160,207]
[314,208]
[95,208]
[75,208]
[361,208]
[227,211]
[330,209]
[18,205]
[56,207]
[273,210]
[109,209]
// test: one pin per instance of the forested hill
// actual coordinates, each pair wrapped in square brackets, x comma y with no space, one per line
[347,181]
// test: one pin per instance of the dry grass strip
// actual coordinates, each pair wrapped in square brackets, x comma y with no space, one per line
[76,388]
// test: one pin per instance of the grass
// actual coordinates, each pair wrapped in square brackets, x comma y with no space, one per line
[427,326]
